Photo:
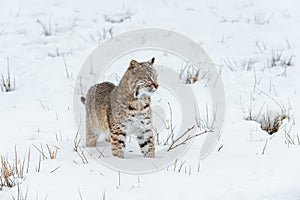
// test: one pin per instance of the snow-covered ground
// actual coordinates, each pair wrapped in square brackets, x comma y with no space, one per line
[241,37]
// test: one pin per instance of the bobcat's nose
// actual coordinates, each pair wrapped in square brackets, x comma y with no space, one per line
[155,85]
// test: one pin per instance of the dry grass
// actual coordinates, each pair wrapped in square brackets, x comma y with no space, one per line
[66,67]
[278,59]
[7,178]
[290,138]
[189,74]
[205,121]
[47,27]
[76,141]
[10,171]
[51,151]
[118,18]
[231,64]
[82,156]
[270,120]
[261,46]
[104,196]
[7,83]
[183,166]
[260,19]
[264,148]
[20,195]
[235,66]
[81,153]
[102,35]
[272,124]
[2,30]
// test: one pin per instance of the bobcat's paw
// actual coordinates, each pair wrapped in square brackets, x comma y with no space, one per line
[119,154]
[150,155]
[91,143]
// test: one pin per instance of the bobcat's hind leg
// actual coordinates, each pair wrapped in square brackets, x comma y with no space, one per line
[91,135]
[146,143]
[117,139]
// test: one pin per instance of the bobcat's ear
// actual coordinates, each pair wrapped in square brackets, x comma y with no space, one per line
[133,64]
[152,61]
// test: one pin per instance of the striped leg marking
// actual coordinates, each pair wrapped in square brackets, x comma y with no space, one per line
[146,143]
[117,140]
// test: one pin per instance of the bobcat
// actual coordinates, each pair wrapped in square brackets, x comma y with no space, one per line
[123,109]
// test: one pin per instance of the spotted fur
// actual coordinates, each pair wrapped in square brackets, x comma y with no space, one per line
[124,109]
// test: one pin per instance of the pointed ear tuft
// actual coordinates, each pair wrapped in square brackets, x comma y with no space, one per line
[133,64]
[152,60]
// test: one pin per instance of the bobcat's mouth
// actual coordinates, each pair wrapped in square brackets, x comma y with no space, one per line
[152,90]
[153,87]
[146,91]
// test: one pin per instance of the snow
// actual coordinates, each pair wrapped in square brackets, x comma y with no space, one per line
[239,36]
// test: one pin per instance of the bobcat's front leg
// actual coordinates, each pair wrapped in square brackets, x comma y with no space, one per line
[117,139]
[146,143]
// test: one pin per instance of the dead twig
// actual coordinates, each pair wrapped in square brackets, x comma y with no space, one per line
[265,146]
[77,141]
[41,151]
[66,66]
[55,169]
[169,126]
[82,156]
[176,142]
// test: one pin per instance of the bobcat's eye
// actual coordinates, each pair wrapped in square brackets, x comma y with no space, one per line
[150,79]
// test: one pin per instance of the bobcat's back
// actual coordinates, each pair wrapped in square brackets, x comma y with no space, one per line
[97,104]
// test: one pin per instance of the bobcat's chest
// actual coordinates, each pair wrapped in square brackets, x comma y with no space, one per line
[138,116]
[135,124]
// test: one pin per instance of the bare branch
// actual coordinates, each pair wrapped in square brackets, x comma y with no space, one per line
[176,142]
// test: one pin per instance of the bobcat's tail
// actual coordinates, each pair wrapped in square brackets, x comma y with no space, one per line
[82,99]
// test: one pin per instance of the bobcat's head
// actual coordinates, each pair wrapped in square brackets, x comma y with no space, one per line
[142,78]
